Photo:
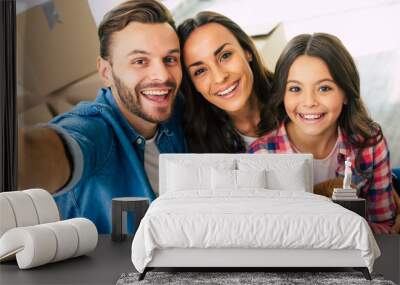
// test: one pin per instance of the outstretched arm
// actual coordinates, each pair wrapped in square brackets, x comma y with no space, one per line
[42,160]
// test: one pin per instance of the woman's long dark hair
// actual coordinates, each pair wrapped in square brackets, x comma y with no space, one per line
[354,120]
[209,129]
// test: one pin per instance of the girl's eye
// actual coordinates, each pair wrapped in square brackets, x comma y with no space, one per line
[294,89]
[225,55]
[325,88]
[199,71]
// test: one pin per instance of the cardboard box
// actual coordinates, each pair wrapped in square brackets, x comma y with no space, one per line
[59,106]
[84,90]
[35,115]
[271,46]
[35,109]
[26,99]
[56,47]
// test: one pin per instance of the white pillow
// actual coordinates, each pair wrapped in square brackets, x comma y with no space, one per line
[183,177]
[251,178]
[281,174]
[293,180]
[193,173]
[223,179]
[236,179]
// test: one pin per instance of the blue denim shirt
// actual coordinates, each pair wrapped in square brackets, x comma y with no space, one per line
[107,155]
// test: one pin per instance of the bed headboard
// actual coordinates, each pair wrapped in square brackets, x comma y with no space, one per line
[238,161]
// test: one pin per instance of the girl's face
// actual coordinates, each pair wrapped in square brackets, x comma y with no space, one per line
[219,67]
[313,101]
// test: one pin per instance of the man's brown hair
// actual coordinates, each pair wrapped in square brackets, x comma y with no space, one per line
[142,11]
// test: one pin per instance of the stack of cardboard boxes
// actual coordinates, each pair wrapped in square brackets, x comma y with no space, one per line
[57,47]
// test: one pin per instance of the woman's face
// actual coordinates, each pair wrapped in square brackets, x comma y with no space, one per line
[219,67]
[313,101]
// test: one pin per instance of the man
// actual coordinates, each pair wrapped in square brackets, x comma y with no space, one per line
[109,148]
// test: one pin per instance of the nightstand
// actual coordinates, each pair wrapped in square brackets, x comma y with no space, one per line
[356,205]
[137,205]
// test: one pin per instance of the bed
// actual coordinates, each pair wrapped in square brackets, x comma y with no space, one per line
[246,210]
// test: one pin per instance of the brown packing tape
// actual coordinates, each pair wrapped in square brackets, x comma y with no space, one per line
[51,14]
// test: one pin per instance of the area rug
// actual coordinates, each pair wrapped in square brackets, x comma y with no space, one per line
[243,278]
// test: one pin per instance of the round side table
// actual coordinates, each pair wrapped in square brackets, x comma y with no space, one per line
[137,205]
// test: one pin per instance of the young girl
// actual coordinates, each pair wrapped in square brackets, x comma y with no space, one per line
[317,109]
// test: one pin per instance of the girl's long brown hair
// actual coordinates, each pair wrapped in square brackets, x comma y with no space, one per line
[354,119]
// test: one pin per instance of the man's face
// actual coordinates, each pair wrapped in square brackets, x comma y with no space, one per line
[146,70]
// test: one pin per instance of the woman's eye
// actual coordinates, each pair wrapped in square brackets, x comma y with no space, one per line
[198,71]
[325,88]
[225,55]
[170,59]
[294,89]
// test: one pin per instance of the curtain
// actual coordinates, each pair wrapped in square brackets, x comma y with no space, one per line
[8,122]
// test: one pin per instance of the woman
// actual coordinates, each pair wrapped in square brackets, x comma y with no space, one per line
[225,85]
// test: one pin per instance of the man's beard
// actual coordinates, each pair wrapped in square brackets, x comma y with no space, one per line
[132,100]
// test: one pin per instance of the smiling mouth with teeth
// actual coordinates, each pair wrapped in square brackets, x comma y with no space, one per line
[229,90]
[311,117]
[157,95]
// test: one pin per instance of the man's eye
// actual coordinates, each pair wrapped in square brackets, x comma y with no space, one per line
[140,61]
[294,89]
[226,55]
[325,88]
[199,71]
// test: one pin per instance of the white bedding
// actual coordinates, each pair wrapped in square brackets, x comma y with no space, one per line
[251,218]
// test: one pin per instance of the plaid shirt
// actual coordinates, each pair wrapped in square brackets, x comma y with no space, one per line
[374,184]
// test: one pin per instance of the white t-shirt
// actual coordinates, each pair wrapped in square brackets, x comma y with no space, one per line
[247,140]
[151,154]
[325,169]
